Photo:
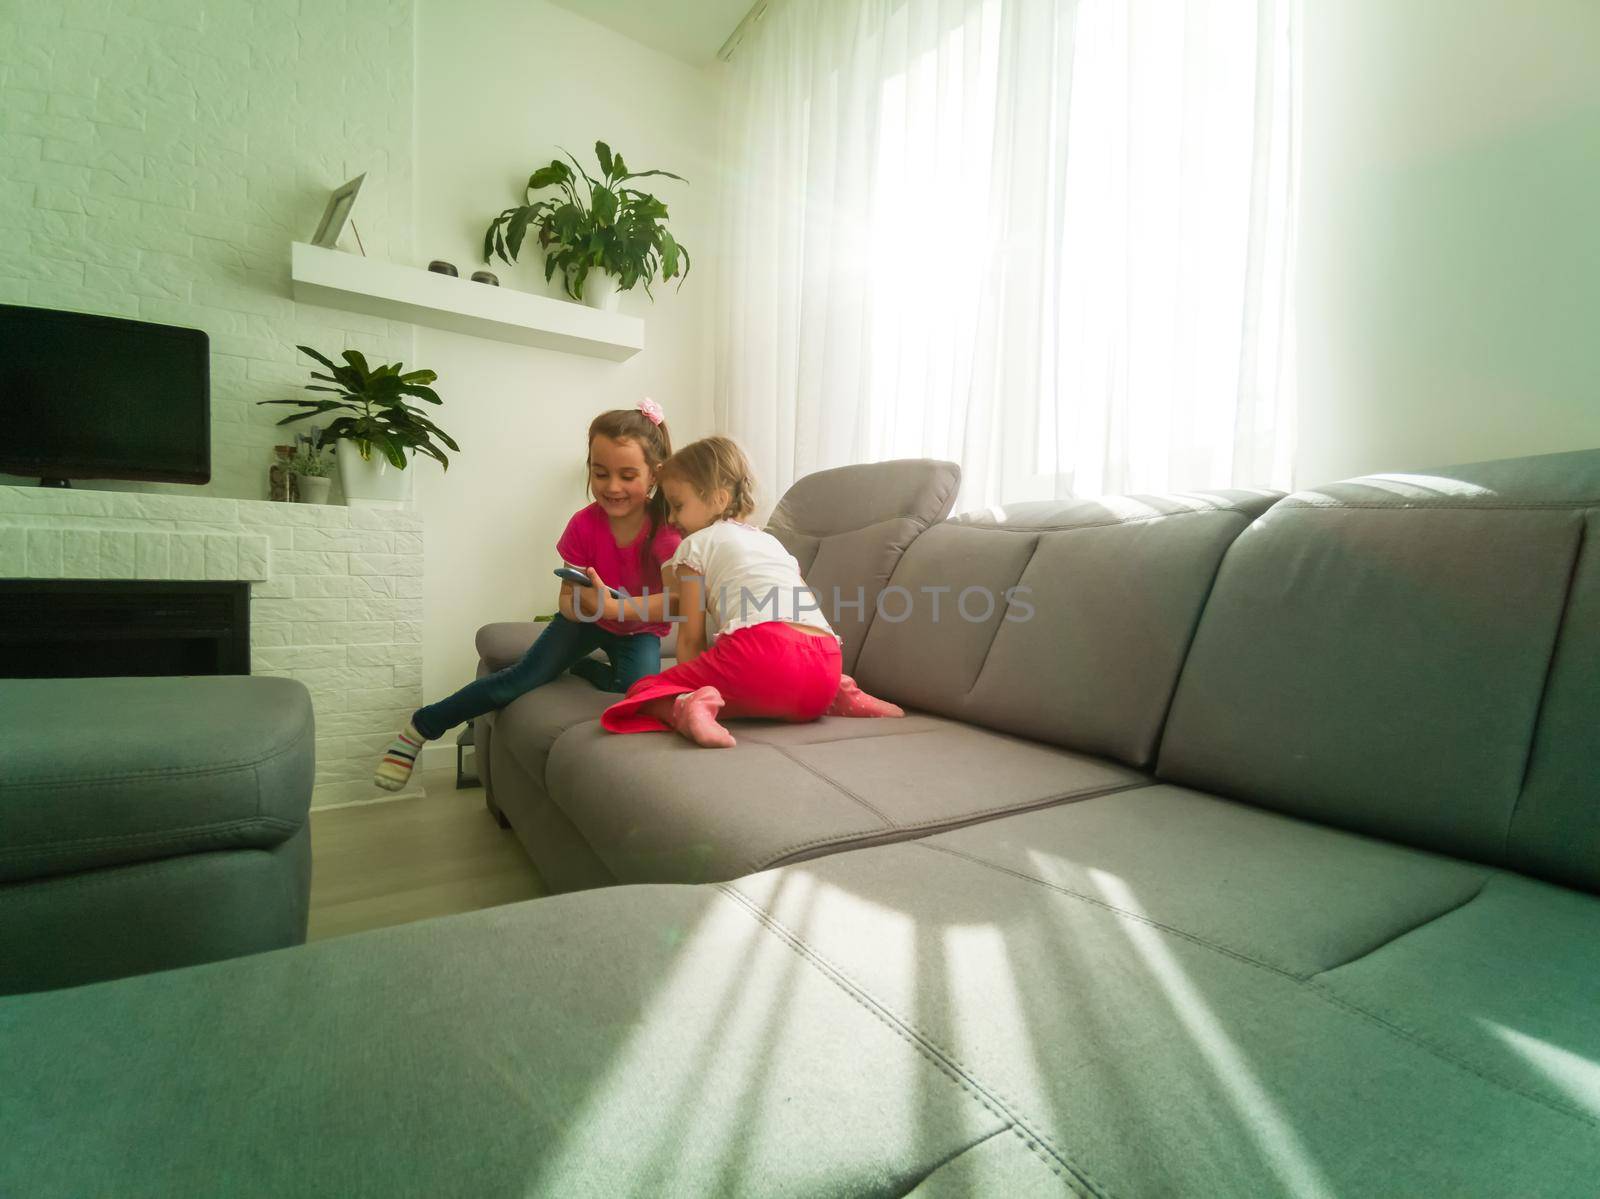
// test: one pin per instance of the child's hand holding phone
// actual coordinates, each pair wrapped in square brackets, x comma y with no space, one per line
[585,578]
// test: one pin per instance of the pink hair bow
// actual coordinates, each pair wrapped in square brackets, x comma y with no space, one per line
[651,409]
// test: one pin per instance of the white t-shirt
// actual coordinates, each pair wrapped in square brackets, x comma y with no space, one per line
[749,578]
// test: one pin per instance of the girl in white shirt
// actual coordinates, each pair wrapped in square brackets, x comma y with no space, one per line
[774,655]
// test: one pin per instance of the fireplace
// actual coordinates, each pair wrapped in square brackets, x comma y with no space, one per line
[80,628]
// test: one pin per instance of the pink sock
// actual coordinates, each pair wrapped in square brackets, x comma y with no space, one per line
[852,701]
[695,716]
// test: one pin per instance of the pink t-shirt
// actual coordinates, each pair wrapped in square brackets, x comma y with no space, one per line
[588,542]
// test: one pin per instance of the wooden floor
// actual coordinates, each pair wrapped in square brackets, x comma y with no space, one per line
[379,864]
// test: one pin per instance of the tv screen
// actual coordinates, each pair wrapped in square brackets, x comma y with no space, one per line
[97,397]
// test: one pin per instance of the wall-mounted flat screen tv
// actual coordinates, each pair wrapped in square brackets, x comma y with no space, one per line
[98,397]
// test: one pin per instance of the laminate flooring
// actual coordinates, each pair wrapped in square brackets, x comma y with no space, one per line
[374,865]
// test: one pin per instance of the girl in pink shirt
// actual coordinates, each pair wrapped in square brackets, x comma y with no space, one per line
[623,537]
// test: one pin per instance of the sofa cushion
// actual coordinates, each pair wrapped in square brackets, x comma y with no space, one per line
[1374,656]
[1088,653]
[92,925]
[657,809]
[97,772]
[632,1041]
[1507,985]
[1294,897]
[1171,1027]
[1555,826]
[531,723]
[504,643]
[848,527]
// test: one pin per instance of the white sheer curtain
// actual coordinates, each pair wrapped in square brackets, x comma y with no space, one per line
[1049,239]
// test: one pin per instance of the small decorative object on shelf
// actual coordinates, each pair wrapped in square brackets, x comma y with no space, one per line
[310,468]
[488,277]
[336,213]
[603,233]
[440,267]
[280,483]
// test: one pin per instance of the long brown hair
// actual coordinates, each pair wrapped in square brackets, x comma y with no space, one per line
[655,443]
[714,462]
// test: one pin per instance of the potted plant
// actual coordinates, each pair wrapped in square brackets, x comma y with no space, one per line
[602,236]
[378,428]
[311,468]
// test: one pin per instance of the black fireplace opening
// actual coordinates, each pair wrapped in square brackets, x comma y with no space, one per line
[114,628]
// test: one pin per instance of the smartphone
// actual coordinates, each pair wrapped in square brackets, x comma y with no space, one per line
[571,574]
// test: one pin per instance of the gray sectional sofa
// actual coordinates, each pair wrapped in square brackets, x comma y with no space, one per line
[1262,860]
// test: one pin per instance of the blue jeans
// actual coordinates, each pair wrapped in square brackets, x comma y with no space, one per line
[564,645]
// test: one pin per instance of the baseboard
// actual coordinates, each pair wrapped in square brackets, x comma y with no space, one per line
[412,791]
[437,755]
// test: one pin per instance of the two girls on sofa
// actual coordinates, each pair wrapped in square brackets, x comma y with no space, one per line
[783,666]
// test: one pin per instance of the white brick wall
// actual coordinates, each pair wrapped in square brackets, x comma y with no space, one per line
[335,596]
[157,159]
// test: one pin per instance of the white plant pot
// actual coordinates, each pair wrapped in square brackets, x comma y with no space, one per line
[373,480]
[600,290]
[311,489]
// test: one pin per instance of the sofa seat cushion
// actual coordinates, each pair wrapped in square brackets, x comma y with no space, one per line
[97,772]
[630,1041]
[657,809]
[530,724]
[1507,985]
[1293,897]
[1176,1017]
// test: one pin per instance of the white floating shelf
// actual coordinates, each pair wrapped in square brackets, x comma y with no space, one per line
[335,279]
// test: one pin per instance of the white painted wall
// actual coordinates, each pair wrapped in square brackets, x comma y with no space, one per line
[1450,276]
[500,84]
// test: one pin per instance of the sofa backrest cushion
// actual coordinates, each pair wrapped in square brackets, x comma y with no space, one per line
[1103,600]
[847,528]
[1555,825]
[1377,654]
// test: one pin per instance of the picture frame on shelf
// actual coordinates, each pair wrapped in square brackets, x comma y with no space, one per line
[337,213]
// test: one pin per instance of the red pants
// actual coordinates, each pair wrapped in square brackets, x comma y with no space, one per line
[766,670]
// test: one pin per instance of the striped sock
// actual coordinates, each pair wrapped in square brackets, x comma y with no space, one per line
[395,769]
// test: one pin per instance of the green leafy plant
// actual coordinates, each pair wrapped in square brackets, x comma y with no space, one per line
[378,416]
[308,460]
[592,224]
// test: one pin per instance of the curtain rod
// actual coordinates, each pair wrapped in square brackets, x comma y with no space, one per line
[751,18]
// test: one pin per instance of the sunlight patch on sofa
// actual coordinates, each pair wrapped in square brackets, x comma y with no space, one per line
[1423,487]
[1575,1076]
[1280,1146]
[980,951]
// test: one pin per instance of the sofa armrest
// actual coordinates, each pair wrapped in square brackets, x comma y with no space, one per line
[103,772]
[503,644]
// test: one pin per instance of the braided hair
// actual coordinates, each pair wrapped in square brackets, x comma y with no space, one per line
[712,463]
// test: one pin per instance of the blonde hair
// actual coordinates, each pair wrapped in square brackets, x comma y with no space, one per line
[654,442]
[714,463]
